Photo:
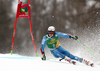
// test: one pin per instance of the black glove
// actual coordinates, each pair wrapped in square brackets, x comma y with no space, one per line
[75,37]
[43,57]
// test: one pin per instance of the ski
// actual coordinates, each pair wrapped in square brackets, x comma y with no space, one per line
[88,63]
[65,60]
[69,60]
[92,65]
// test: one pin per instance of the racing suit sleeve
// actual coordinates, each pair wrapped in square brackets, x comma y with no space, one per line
[63,35]
[43,44]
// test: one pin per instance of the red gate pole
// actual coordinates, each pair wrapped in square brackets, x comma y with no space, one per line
[13,36]
[14,33]
[29,2]
[31,30]
[33,38]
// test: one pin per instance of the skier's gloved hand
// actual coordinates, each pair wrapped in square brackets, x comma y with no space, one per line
[70,36]
[75,37]
[43,57]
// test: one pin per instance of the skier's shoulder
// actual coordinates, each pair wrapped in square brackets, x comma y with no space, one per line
[61,33]
[46,36]
[57,33]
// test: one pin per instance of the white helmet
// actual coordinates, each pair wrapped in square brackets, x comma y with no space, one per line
[51,28]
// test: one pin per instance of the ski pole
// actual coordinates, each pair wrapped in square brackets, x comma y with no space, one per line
[86,47]
[52,59]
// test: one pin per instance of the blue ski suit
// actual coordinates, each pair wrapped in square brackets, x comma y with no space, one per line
[57,50]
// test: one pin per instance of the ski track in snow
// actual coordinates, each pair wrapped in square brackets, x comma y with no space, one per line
[24,63]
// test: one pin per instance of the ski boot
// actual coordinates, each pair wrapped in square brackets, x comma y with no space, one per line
[86,62]
[69,60]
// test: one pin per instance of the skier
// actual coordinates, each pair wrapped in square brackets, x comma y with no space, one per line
[51,39]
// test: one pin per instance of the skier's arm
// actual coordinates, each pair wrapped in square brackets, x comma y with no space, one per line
[66,35]
[43,43]
[63,35]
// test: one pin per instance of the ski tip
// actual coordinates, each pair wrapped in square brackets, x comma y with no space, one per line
[74,63]
[92,65]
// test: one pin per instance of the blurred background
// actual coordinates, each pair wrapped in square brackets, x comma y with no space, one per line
[76,17]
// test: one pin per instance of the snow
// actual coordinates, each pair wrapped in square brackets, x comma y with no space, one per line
[60,0]
[68,24]
[14,6]
[90,3]
[98,5]
[48,7]
[24,63]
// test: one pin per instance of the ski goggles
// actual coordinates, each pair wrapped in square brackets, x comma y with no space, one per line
[51,32]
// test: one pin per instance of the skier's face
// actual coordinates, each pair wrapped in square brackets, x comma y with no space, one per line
[51,35]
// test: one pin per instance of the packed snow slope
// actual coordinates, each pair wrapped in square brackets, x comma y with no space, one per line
[24,63]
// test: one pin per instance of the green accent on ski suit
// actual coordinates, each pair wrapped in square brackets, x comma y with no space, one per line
[52,43]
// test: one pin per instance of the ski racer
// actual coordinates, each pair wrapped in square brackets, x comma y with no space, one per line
[51,39]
